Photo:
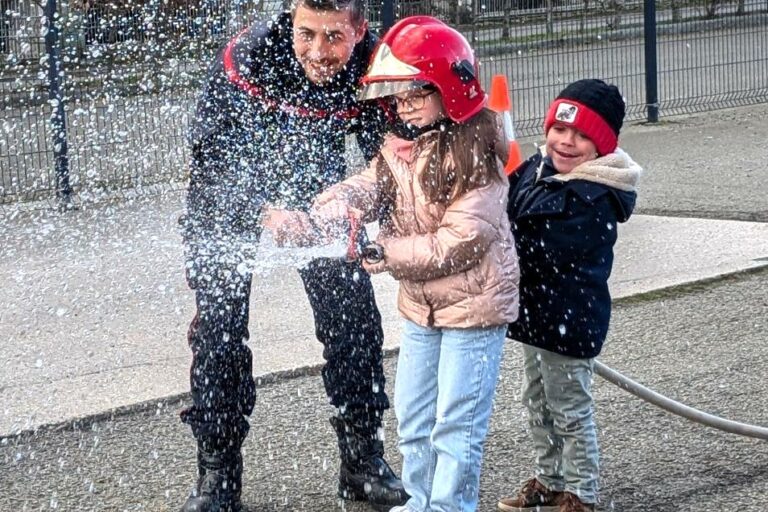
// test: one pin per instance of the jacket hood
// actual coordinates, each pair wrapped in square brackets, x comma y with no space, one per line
[401,148]
[409,149]
[616,170]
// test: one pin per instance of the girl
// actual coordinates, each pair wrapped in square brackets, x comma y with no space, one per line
[438,191]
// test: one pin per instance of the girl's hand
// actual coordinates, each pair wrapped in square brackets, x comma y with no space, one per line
[373,258]
[330,211]
[330,218]
[333,219]
[375,268]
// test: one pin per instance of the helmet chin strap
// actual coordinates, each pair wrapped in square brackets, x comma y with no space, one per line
[408,131]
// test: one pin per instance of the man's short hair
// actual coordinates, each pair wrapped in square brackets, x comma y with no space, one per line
[356,7]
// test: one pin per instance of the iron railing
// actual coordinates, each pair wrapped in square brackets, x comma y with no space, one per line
[129,72]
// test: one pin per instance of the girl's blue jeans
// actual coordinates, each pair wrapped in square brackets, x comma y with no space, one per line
[556,391]
[444,389]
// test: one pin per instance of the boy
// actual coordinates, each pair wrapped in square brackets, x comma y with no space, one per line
[564,206]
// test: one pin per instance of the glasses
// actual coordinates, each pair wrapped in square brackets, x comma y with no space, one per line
[414,102]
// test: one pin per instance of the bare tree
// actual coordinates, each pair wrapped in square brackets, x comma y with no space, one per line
[711,8]
[507,22]
[453,11]
[5,24]
[675,5]
[473,12]
[616,6]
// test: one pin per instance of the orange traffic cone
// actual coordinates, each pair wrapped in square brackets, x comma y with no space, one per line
[499,101]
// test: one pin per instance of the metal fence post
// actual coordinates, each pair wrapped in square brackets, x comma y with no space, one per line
[56,100]
[387,15]
[651,65]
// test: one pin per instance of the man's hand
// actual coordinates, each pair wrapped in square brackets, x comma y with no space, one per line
[334,217]
[289,227]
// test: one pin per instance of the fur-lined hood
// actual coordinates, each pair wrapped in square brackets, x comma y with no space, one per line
[616,170]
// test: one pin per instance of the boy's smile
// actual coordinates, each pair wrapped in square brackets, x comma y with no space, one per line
[568,147]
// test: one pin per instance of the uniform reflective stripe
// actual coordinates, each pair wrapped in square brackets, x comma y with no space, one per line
[258,92]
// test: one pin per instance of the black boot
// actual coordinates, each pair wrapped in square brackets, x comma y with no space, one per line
[219,482]
[364,474]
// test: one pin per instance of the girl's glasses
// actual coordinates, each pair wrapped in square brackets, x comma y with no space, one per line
[414,102]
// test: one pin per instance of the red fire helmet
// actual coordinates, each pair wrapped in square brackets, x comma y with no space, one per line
[422,50]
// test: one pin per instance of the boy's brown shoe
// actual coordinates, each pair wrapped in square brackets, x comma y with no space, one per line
[571,503]
[533,497]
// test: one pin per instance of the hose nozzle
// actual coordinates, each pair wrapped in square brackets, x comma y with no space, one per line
[372,253]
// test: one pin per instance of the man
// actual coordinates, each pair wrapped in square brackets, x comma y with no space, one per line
[269,134]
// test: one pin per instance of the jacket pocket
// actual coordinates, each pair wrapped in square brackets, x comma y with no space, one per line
[476,279]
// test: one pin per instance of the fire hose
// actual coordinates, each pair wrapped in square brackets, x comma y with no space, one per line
[373,253]
[669,405]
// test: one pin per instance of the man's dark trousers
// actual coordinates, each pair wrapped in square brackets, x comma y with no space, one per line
[347,323]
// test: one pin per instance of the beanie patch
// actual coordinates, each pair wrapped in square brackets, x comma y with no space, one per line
[566,112]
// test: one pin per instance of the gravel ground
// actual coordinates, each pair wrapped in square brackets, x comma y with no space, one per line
[703,344]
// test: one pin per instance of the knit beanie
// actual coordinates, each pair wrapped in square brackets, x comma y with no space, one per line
[594,108]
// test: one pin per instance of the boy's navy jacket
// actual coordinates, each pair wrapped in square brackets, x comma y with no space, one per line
[565,226]
[264,134]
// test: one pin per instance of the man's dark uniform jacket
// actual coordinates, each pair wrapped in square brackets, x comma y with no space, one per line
[264,134]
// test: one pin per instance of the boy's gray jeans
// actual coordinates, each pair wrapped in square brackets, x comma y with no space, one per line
[556,391]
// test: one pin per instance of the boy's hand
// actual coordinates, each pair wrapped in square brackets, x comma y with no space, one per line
[289,227]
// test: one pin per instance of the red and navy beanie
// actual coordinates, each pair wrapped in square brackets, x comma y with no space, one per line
[594,108]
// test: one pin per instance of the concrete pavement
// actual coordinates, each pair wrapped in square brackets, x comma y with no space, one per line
[101,303]
[95,311]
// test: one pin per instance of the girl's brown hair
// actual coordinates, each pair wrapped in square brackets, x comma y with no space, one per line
[471,145]
[472,163]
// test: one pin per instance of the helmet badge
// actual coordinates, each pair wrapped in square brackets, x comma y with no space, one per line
[386,64]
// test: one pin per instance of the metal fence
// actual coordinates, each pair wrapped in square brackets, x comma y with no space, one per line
[129,72]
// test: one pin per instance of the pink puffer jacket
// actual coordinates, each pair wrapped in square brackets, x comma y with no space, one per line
[456,263]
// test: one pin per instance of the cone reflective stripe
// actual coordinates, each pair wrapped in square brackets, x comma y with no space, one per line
[500,102]
[515,157]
